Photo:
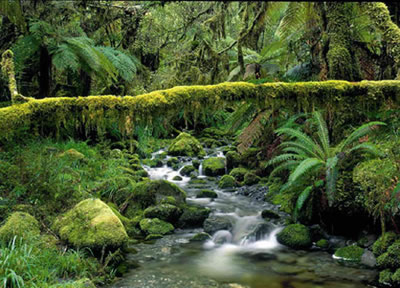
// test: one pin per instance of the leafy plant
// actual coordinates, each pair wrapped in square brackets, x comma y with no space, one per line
[307,156]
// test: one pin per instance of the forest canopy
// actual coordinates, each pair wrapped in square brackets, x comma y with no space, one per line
[80,48]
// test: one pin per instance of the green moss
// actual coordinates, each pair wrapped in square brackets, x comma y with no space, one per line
[269,214]
[198,181]
[232,159]
[202,236]
[391,258]
[165,212]
[19,224]
[251,179]
[193,216]
[196,163]
[155,226]
[187,170]
[295,236]
[351,253]
[150,193]
[131,225]
[172,161]
[214,166]
[177,178]
[72,154]
[91,223]
[205,193]
[82,283]
[226,181]
[396,277]
[322,243]
[238,173]
[153,237]
[382,244]
[249,157]
[385,277]
[186,145]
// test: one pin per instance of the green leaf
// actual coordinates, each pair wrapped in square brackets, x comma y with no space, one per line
[301,200]
[304,167]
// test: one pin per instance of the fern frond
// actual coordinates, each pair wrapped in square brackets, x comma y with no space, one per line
[65,58]
[357,134]
[300,146]
[331,177]
[322,131]
[288,165]
[241,116]
[284,158]
[368,147]
[301,200]
[252,132]
[304,167]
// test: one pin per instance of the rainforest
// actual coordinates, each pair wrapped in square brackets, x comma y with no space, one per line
[179,144]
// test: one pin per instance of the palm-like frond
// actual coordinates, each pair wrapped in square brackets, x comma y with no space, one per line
[303,167]
[304,139]
[284,158]
[368,147]
[322,131]
[357,134]
[288,165]
[301,200]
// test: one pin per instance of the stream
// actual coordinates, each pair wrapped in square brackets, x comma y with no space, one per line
[245,254]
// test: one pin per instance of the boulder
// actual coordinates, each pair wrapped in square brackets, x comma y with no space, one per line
[151,193]
[322,243]
[296,236]
[238,173]
[91,223]
[155,226]
[227,181]
[216,223]
[269,214]
[193,216]
[206,193]
[165,212]
[186,145]
[214,166]
[251,179]
[382,244]
[19,224]
[391,258]
[232,159]
[202,236]
[351,254]
[187,170]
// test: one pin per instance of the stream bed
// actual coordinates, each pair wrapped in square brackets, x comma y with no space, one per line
[243,251]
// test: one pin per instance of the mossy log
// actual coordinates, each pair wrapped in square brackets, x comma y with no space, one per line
[93,114]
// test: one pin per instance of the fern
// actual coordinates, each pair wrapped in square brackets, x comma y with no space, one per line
[301,200]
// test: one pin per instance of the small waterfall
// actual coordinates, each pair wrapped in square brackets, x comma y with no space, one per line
[201,175]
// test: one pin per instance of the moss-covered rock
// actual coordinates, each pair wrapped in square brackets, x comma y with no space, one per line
[227,181]
[171,162]
[72,155]
[251,179]
[187,170]
[177,178]
[196,163]
[382,244]
[166,212]
[193,216]
[322,243]
[91,223]
[153,237]
[81,283]
[269,214]
[210,143]
[153,162]
[202,236]
[131,225]
[395,278]
[351,253]
[249,157]
[296,236]
[214,166]
[19,224]
[232,159]
[186,145]
[385,277]
[206,193]
[155,226]
[391,258]
[238,173]
[150,193]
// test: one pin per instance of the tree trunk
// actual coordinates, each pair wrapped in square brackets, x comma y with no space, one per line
[86,83]
[44,73]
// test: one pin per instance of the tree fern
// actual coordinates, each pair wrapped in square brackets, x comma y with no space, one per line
[305,157]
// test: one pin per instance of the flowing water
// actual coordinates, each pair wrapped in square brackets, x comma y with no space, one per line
[245,254]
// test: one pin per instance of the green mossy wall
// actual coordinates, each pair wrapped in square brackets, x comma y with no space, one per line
[343,101]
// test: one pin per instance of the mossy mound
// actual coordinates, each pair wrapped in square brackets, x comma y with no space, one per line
[269,214]
[153,162]
[151,193]
[251,179]
[202,236]
[232,159]
[322,243]
[19,224]
[91,223]
[187,170]
[214,166]
[172,162]
[186,145]
[238,173]
[72,155]
[206,193]
[193,216]
[155,226]
[296,236]
[82,283]
[385,277]
[131,225]
[227,181]
[382,244]
[351,253]
[177,178]
[391,258]
[166,212]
